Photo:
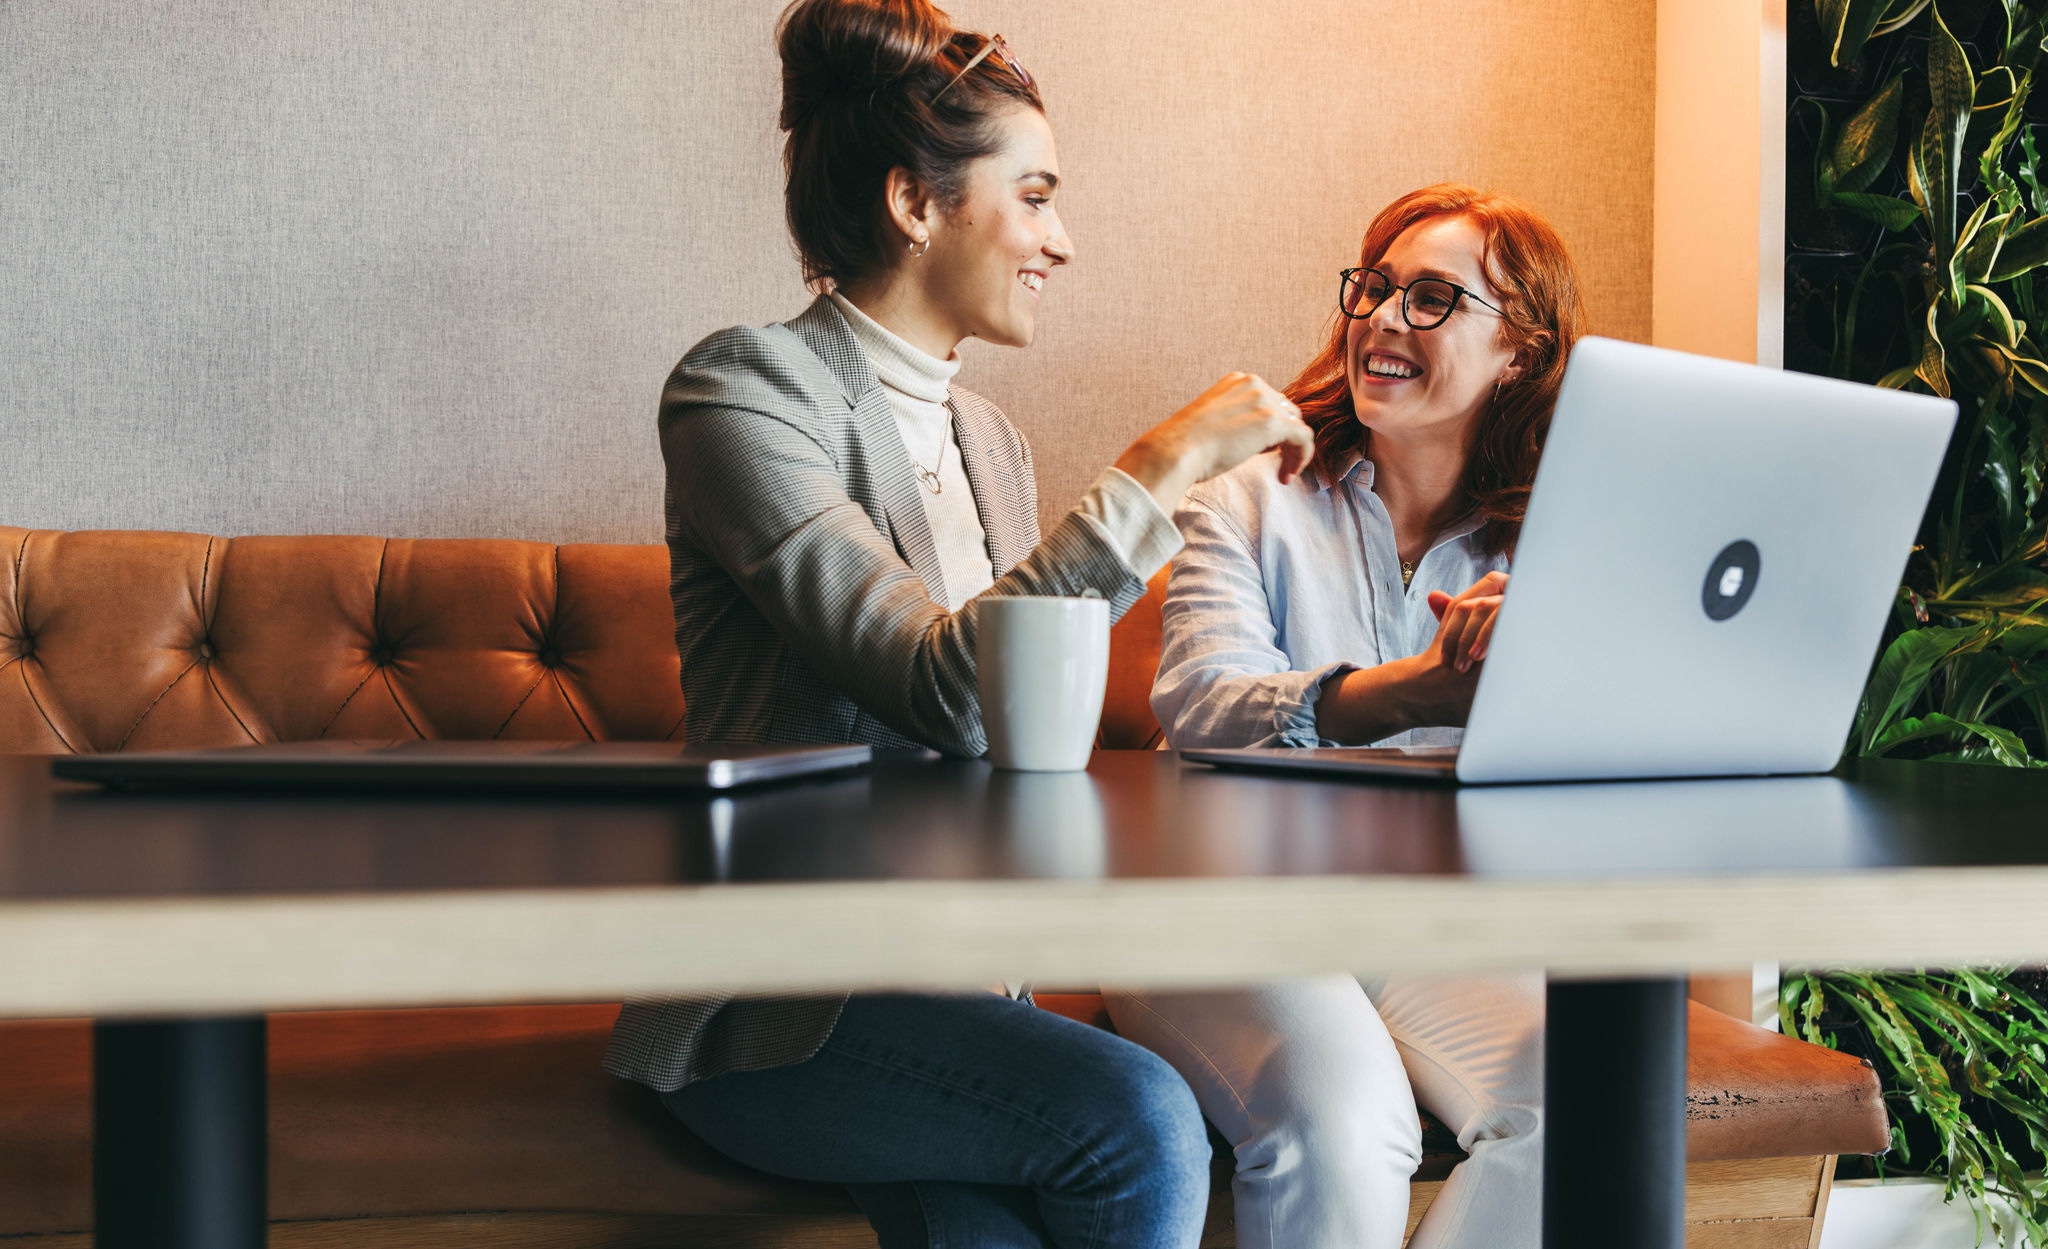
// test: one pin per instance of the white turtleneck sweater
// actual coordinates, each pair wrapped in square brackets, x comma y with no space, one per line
[916,383]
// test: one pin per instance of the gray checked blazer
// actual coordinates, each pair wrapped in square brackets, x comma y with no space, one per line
[808,602]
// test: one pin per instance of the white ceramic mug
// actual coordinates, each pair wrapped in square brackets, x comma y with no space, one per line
[1042,664]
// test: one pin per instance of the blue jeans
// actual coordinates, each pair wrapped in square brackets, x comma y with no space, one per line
[975,1121]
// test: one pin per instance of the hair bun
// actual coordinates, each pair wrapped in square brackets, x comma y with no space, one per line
[855,47]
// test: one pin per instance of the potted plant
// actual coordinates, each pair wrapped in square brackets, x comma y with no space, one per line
[1917,235]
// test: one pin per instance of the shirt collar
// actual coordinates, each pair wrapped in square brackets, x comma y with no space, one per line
[1353,462]
[1347,464]
[1465,526]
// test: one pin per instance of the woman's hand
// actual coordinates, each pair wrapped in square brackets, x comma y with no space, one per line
[1226,425]
[1465,621]
[1425,690]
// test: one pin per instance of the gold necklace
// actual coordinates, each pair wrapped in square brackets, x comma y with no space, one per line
[930,476]
[1407,572]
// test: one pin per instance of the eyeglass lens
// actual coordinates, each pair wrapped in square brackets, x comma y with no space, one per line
[1426,304]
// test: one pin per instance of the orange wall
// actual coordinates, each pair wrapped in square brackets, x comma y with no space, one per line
[1717,241]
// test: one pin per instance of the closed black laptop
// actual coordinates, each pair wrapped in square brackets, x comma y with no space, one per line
[582,767]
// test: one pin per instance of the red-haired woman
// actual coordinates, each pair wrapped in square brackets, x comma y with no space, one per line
[1354,605]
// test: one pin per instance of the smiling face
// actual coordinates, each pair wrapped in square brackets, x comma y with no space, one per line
[991,253]
[1423,383]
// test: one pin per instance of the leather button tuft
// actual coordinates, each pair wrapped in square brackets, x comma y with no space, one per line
[206,650]
[28,647]
[381,655]
[550,657]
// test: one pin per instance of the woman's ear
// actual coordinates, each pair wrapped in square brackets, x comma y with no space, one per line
[910,207]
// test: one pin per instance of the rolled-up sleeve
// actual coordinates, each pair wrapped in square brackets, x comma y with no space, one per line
[1223,681]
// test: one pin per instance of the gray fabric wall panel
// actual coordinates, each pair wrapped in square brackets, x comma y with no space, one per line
[420,270]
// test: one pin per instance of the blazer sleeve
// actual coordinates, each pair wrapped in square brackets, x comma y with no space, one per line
[755,489]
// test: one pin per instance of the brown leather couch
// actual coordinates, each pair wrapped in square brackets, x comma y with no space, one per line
[495,1126]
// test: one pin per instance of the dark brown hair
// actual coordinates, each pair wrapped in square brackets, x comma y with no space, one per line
[1528,264]
[859,81]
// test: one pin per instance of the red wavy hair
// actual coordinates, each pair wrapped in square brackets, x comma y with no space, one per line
[1529,266]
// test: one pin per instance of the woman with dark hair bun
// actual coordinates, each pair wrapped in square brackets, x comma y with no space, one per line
[836,508]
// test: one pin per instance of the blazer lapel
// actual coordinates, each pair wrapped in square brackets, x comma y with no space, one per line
[1010,536]
[885,463]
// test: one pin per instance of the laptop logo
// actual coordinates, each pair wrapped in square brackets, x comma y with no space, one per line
[1731,580]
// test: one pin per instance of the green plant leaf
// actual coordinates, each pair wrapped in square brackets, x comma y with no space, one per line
[1991,161]
[1864,146]
[1900,676]
[1898,14]
[2021,639]
[1888,211]
[1933,369]
[1923,170]
[1823,165]
[2005,745]
[1997,323]
[2024,250]
[2029,170]
[2002,473]
[1968,236]
[1997,87]
[1924,1025]
[1847,25]
[1952,88]
[1980,254]
[2029,370]
[1982,755]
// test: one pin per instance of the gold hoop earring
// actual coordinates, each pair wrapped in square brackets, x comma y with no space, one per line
[920,247]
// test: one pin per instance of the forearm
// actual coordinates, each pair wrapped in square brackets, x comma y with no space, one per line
[1164,467]
[1367,704]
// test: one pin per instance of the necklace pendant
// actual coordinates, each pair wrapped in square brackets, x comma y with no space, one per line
[929,478]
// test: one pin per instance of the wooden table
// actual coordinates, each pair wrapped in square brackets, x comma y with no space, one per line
[177,920]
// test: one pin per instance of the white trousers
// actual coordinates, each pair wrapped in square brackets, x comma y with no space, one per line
[1315,1083]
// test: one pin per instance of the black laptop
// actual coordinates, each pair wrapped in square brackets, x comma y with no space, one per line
[497,767]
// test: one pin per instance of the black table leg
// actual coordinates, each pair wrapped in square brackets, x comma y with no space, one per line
[1614,1115]
[179,1145]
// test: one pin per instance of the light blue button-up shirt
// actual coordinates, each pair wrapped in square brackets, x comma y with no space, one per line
[1281,587]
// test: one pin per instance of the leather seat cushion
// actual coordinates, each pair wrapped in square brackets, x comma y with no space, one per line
[1755,1093]
[1750,1092]
[505,1108]
[405,1112]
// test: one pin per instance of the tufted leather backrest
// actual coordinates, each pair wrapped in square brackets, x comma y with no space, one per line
[137,640]
[116,640]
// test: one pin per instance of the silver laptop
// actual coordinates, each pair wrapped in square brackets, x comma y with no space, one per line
[1702,580]
[495,767]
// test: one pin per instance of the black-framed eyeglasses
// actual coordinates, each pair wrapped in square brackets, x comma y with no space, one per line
[1001,47]
[1425,303]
